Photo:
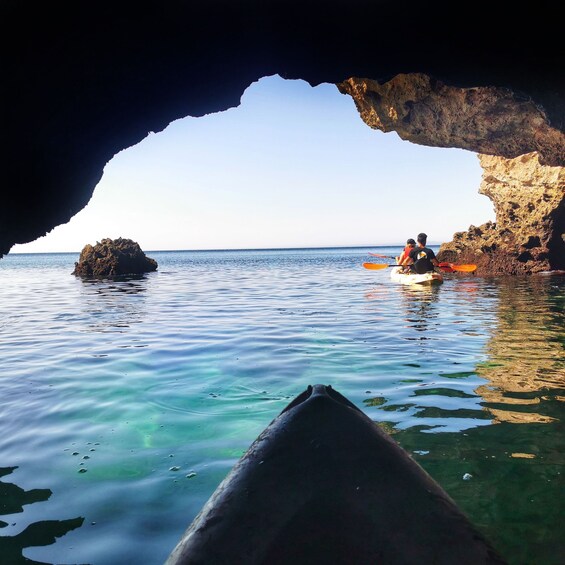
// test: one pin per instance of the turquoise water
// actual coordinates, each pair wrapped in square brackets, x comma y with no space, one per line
[125,403]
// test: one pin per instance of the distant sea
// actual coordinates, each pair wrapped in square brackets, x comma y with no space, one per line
[125,402]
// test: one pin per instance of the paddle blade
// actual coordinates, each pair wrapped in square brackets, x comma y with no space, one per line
[445,268]
[464,268]
[450,267]
[382,256]
[375,266]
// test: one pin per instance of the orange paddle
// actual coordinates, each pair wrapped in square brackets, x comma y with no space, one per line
[448,267]
[469,268]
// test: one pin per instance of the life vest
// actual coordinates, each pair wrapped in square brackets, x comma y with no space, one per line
[405,253]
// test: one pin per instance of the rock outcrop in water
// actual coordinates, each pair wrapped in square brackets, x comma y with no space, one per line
[109,258]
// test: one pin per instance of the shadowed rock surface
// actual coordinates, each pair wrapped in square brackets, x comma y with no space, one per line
[109,258]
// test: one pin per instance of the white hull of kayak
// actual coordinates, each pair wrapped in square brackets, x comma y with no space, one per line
[413,278]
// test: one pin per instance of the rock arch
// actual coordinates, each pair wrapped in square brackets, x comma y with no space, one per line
[82,82]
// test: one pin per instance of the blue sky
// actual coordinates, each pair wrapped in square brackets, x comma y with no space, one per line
[292,166]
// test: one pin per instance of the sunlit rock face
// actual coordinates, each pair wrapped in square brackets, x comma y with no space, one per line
[522,157]
[489,120]
[529,233]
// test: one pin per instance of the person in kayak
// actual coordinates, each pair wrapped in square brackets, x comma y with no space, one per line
[421,259]
[410,244]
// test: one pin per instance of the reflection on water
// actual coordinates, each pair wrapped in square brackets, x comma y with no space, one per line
[45,532]
[127,284]
[418,303]
[526,358]
[114,304]
[507,477]
[524,366]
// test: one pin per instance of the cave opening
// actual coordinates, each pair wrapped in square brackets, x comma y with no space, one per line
[291,166]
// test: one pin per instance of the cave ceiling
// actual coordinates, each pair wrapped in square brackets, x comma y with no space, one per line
[82,82]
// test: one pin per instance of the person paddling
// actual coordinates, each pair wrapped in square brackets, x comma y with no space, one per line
[410,244]
[421,259]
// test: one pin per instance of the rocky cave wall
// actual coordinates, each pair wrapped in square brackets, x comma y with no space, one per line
[82,82]
[528,235]
[522,155]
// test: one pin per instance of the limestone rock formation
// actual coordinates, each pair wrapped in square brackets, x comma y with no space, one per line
[489,120]
[110,258]
[529,233]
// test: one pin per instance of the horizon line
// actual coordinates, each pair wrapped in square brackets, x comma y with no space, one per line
[227,249]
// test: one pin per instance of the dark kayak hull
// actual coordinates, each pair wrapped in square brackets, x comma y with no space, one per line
[323,484]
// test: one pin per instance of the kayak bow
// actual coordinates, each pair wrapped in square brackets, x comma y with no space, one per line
[323,484]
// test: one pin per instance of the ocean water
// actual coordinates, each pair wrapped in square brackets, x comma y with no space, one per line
[124,403]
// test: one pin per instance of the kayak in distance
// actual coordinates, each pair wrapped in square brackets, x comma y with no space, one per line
[433,277]
[323,484]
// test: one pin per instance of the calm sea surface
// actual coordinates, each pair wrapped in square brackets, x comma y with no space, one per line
[125,403]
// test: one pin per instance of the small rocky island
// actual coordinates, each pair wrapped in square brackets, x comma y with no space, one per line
[113,257]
